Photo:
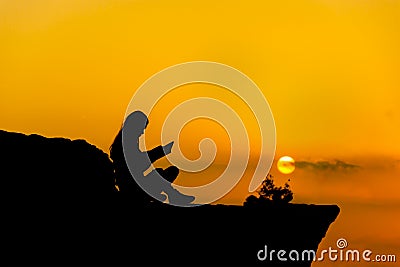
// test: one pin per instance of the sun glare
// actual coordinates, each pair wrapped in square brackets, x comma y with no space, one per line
[286,165]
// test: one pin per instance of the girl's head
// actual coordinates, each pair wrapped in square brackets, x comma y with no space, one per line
[135,124]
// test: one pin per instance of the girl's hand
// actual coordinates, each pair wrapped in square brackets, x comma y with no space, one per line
[168,147]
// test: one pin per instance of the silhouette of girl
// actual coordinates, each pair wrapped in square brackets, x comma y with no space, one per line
[135,124]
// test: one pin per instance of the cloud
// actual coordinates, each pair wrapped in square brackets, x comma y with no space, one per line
[326,165]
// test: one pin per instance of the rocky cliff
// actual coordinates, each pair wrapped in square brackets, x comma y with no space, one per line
[59,206]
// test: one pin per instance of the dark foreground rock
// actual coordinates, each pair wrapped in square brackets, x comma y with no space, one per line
[59,208]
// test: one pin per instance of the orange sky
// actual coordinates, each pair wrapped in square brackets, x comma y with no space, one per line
[329,69]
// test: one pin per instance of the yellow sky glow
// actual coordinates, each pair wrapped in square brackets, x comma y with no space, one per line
[328,68]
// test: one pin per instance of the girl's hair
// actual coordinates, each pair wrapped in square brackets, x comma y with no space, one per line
[116,146]
[136,118]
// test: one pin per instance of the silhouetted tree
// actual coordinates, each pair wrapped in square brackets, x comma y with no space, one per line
[269,193]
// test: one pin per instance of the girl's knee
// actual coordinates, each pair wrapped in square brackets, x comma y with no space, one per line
[171,173]
[173,170]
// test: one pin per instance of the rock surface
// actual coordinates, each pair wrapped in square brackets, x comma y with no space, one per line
[59,206]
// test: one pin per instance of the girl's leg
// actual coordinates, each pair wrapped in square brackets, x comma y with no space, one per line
[169,173]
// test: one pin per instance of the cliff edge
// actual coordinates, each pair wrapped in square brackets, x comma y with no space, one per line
[59,206]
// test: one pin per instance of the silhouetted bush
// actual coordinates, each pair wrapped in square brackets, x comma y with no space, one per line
[269,193]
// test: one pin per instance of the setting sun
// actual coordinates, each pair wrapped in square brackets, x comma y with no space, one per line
[286,165]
